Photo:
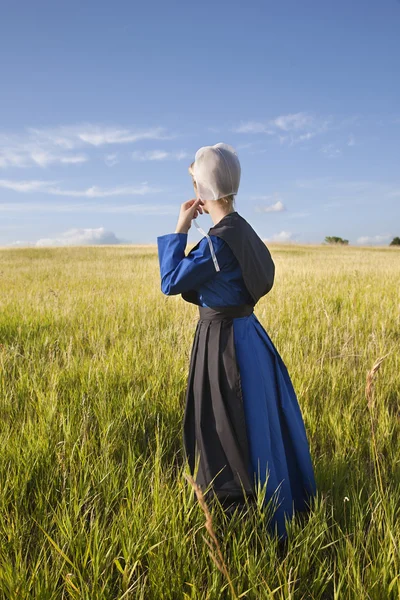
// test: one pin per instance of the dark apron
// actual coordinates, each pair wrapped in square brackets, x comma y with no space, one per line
[214,426]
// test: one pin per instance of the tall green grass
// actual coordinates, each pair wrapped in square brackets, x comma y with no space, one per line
[94,502]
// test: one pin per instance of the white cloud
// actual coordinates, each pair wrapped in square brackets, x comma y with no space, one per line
[50,187]
[111,160]
[44,147]
[97,192]
[74,237]
[98,135]
[64,137]
[275,203]
[158,155]
[293,122]
[44,158]
[374,239]
[11,158]
[282,236]
[26,186]
[296,127]
[27,155]
[290,122]
[276,207]
[305,137]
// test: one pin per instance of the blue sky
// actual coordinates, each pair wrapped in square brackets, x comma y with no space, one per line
[103,106]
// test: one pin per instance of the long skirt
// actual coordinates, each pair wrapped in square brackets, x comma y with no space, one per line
[242,424]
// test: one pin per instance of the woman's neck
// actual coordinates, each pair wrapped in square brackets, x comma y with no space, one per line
[217,212]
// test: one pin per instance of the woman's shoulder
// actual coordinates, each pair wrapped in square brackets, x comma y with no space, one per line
[217,241]
[223,251]
[221,247]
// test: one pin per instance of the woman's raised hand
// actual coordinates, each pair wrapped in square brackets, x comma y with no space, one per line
[189,210]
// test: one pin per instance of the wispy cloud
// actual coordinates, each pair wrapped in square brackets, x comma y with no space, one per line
[44,158]
[291,128]
[271,203]
[158,155]
[294,122]
[98,192]
[76,237]
[51,187]
[66,145]
[26,186]
[297,128]
[277,206]
[111,160]
[374,239]
[282,236]
[98,135]
[30,154]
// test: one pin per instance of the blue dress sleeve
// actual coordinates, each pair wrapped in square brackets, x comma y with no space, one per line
[180,273]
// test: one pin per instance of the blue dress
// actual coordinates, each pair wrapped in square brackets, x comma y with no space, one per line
[278,444]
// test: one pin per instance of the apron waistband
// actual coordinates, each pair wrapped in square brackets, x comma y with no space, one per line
[219,313]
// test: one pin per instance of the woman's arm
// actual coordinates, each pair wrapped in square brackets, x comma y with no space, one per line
[180,273]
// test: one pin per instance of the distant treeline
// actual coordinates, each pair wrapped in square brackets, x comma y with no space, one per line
[334,239]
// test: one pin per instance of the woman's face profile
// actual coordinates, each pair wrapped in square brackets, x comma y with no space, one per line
[195,189]
[204,206]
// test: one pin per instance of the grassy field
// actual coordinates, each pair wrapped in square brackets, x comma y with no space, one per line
[94,502]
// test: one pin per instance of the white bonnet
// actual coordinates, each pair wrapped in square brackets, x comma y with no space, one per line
[216,171]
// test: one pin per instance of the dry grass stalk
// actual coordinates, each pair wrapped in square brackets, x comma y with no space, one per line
[369,392]
[219,562]
[369,388]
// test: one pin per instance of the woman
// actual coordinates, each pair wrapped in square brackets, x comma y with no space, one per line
[242,424]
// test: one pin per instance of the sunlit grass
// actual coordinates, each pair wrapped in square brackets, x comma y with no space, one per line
[93,498]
